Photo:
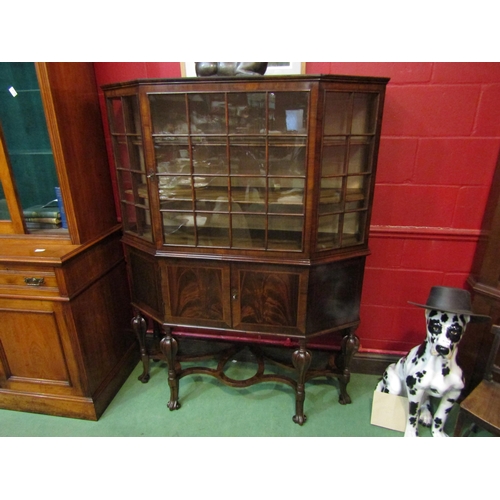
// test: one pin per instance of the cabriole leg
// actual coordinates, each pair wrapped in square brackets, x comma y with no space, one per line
[301,359]
[349,347]
[168,346]
[140,328]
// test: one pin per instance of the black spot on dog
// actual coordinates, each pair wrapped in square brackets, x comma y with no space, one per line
[432,313]
[438,422]
[445,318]
[435,327]
[413,408]
[446,371]
[410,381]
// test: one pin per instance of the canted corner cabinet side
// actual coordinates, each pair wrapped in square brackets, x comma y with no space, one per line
[246,204]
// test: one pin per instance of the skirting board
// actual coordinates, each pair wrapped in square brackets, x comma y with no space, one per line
[372,363]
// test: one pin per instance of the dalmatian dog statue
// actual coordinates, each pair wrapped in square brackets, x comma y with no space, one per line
[431,369]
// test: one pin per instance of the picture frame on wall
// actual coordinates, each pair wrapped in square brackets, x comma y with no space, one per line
[273,68]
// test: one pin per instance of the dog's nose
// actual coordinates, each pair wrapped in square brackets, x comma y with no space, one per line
[442,350]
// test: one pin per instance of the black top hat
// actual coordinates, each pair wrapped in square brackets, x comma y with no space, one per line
[452,300]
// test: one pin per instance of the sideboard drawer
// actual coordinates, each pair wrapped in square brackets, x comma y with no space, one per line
[26,280]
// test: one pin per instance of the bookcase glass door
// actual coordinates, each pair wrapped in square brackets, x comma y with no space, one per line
[230,168]
[27,150]
[346,167]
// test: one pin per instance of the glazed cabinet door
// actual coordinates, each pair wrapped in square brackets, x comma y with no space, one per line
[227,170]
[35,351]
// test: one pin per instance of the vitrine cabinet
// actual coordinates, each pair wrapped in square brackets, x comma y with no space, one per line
[66,344]
[246,204]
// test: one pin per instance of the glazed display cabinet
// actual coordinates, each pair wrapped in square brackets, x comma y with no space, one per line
[246,205]
[66,344]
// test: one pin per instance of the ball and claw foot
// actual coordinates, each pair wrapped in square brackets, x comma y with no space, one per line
[173,405]
[299,419]
[345,399]
[144,378]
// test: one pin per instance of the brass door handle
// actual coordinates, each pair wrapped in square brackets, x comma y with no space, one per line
[34,281]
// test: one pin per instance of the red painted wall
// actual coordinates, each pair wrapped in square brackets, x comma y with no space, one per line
[440,142]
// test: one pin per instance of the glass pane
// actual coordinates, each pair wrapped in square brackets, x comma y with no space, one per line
[285,233]
[356,196]
[364,113]
[330,197]
[4,210]
[213,230]
[209,157]
[168,114]
[285,159]
[328,232]
[248,155]
[115,112]
[337,113]
[249,231]
[247,113]
[172,159]
[359,155]
[178,229]
[288,112]
[207,113]
[333,159]
[136,219]
[248,194]
[131,115]
[286,195]
[353,228]
[26,136]
[214,198]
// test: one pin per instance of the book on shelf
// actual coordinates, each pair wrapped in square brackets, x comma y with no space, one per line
[43,216]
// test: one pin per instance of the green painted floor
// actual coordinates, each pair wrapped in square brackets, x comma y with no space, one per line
[211,409]
[237,442]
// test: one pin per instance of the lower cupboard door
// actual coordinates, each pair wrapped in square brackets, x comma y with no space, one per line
[34,348]
[269,299]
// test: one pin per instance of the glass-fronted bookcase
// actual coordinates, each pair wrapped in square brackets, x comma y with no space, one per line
[65,347]
[246,202]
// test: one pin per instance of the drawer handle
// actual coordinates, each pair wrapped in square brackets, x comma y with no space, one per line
[34,281]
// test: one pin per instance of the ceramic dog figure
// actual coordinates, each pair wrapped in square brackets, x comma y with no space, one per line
[430,369]
[230,68]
